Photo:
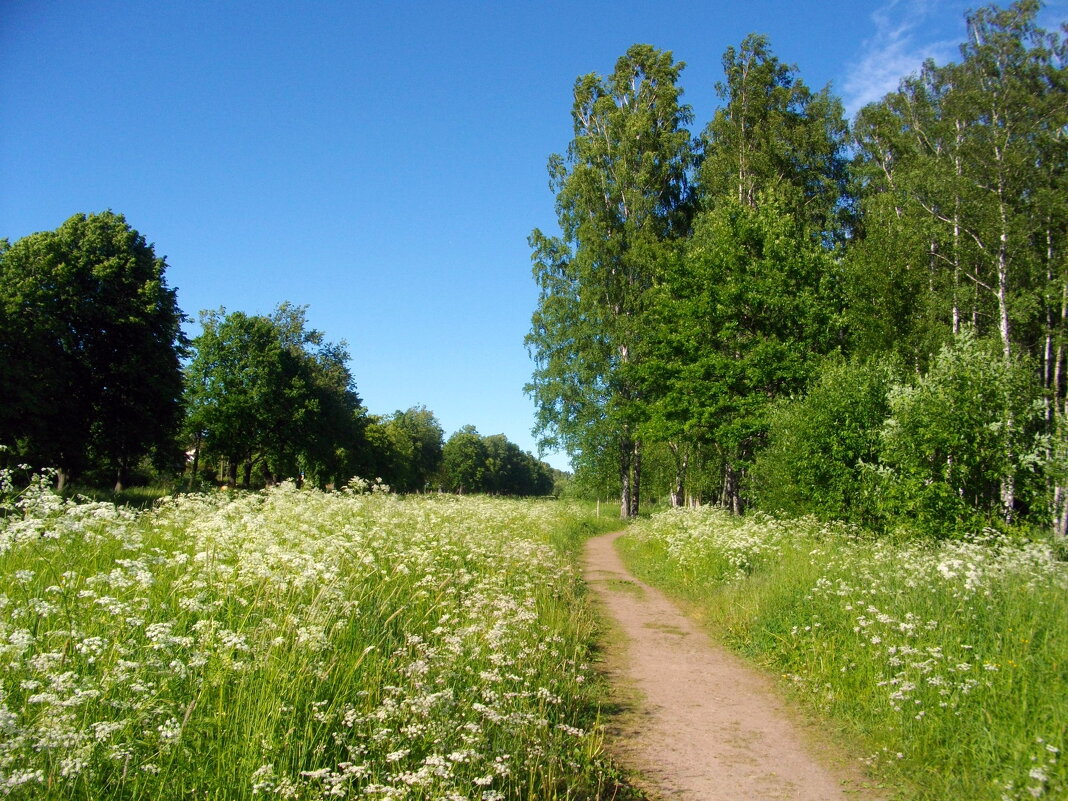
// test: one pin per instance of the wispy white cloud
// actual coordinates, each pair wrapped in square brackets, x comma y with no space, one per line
[901,43]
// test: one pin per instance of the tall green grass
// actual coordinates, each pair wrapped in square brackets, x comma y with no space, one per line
[945,663]
[295,644]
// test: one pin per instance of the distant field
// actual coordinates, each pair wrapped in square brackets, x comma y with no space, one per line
[295,644]
[946,664]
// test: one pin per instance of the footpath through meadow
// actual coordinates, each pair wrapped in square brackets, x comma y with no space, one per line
[698,724]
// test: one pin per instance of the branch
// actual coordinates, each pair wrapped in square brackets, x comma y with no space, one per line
[950,221]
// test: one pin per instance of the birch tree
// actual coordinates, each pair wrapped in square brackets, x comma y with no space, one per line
[750,303]
[965,164]
[621,192]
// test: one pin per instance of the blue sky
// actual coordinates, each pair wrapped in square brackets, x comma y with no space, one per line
[382,162]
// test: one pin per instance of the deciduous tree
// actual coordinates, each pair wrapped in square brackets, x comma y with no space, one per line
[621,194]
[268,391]
[464,461]
[963,171]
[90,341]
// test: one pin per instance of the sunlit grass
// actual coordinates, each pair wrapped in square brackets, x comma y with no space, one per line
[946,663]
[296,644]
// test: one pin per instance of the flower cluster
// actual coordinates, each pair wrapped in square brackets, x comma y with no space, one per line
[295,644]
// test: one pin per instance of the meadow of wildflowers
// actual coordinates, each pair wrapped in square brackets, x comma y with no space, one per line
[947,663]
[294,644]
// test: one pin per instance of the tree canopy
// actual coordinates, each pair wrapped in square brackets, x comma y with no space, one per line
[707,297]
[268,392]
[90,343]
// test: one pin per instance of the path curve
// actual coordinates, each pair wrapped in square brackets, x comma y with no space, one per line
[705,727]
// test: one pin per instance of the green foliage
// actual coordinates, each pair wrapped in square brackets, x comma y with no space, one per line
[404,449]
[621,197]
[270,392]
[928,455]
[773,134]
[493,465]
[427,438]
[753,301]
[956,435]
[90,340]
[389,454]
[510,471]
[658,330]
[951,164]
[464,461]
[740,320]
[821,445]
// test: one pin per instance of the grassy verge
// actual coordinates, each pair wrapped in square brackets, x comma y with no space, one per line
[947,663]
[296,644]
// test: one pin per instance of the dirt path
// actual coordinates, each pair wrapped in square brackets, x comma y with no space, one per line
[704,726]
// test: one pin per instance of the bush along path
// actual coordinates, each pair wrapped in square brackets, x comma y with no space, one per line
[699,723]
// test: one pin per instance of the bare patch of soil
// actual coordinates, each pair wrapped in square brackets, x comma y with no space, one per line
[697,722]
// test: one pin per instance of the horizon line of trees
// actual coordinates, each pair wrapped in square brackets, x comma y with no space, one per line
[864,322]
[98,381]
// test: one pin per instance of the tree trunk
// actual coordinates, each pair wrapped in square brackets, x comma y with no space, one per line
[1059,419]
[624,479]
[958,168]
[1060,504]
[1008,481]
[61,479]
[122,474]
[732,498]
[196,462]
[636,484]
[1060,457]
[678,494]
[1003,292]
[1008,498]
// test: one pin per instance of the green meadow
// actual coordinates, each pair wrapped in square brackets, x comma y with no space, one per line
[300,644]
[296,644]
[944,665]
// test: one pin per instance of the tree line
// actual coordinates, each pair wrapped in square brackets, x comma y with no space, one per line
[865,322]
[99,381]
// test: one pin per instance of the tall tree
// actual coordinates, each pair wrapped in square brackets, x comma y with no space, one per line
[743,319]
[621,195]
[744,310]
[230,382]
[896,294]
[90,342]
[774,134]
[965,167]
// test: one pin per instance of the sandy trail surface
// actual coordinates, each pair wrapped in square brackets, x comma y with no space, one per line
[698,723]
